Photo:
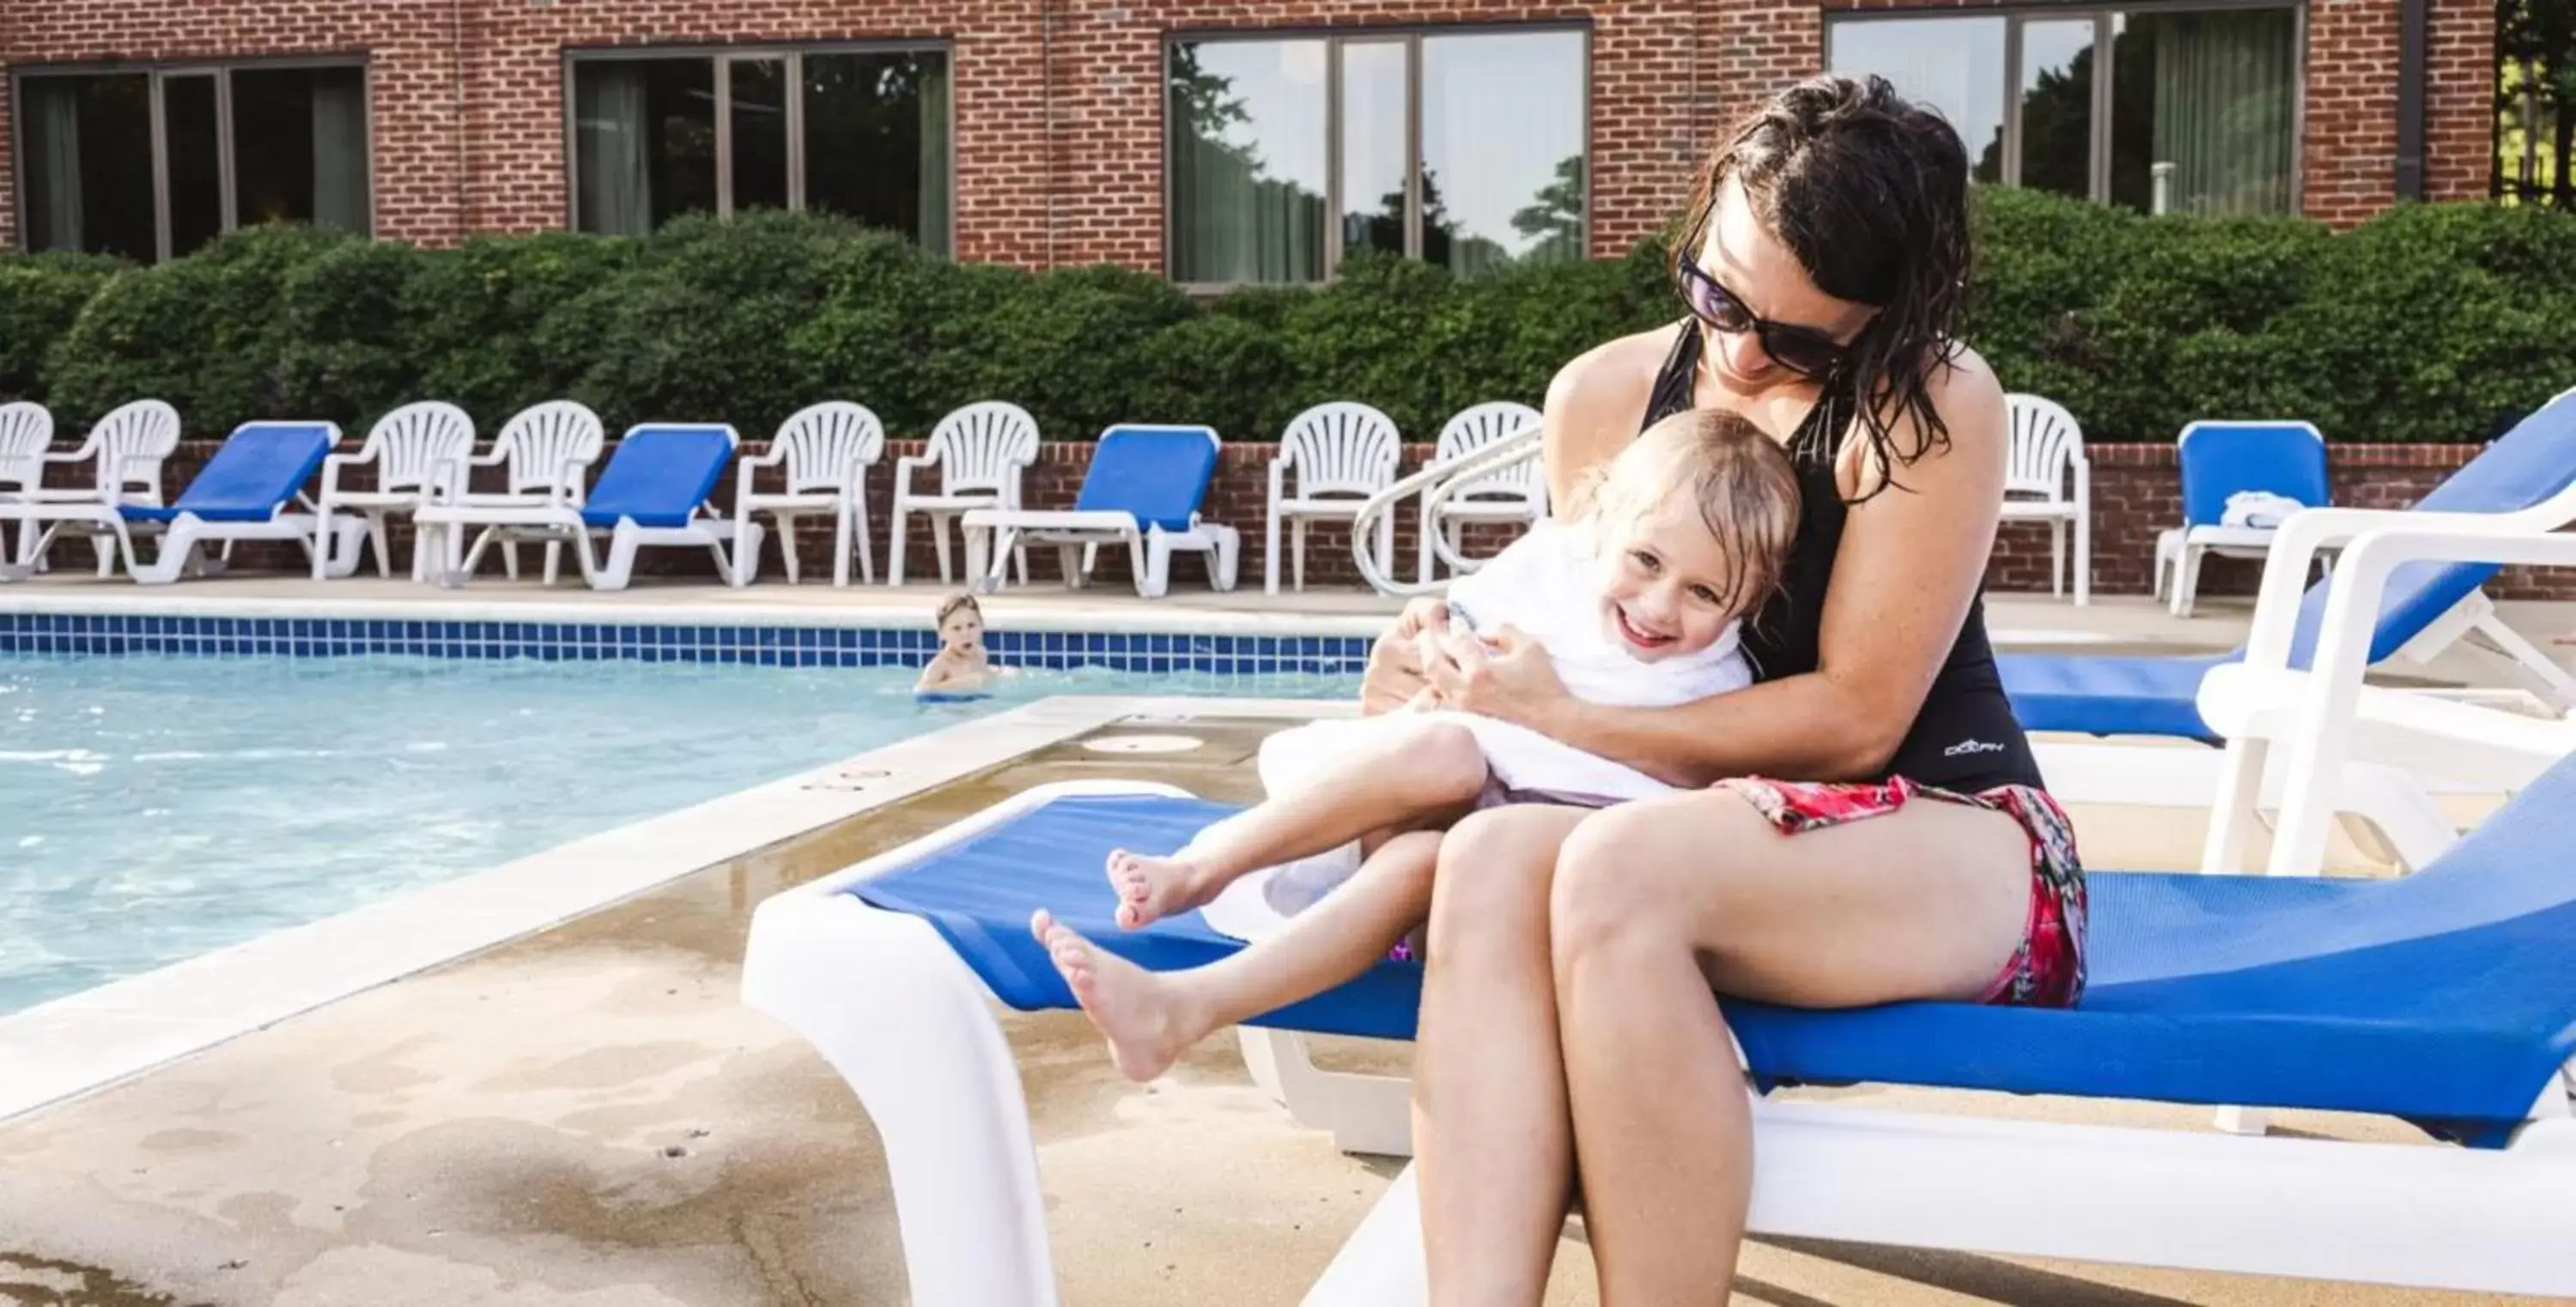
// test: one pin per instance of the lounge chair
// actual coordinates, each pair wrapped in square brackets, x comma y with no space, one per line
[2446,998]
[26,437]
[409,448]
[1143,490]
[252,489]
[2219,460]
[2425,610]
[653,492]
[125,450]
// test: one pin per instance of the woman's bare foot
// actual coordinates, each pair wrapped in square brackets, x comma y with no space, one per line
[1138,1011]
[1151,888]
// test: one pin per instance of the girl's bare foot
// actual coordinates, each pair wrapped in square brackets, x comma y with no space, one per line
[1141,1013]
[1150,888]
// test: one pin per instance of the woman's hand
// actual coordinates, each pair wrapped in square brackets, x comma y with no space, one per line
[1510,679]
[1396,667]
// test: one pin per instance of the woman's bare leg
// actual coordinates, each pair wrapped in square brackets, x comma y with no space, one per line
[1655,902]
[1492,1142]
[1407,770]
[1151,1017]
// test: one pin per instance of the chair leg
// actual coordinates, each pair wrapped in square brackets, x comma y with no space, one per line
[2186,580]
[2083,555]
[510,559]
[1386,546]
[1229,548]
[1270,559]
[554,562]
[106,551]
[787,544]
[1297,554]
[380,535]
[939,539]
[322,532]
[894,549]
[840,548]
[1152,561]
[1074,562]
[867,550]
[1422,537]
[2056,557]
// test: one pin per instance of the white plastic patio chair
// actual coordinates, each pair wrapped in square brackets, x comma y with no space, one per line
[26,436]
[1340,454]
[1516,494]
[2048,479]
[981,451]
[546,451]
[407,447]
[125,450]
[826,450]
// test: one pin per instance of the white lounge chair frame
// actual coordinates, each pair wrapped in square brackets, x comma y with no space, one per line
[2180,549]
[1078,535]
[560,524]
[2047,478]
[825,451]
[981,451]
[910,1027]
[408,447]
[546,451]
[26,436]
[1339,454]
[1516,493]
[126,449]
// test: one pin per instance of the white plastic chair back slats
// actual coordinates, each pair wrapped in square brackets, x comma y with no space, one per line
[982,447]
[826,444]
[413,442]
[135,438]
[2045,440]
[541,442]
[1341,448]
[26,432]
[1473,429]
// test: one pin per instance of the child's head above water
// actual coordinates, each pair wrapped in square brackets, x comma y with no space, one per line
[960,624]
[1692,522]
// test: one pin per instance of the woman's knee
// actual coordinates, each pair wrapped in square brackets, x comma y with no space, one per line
[1494,867]
[1631,873]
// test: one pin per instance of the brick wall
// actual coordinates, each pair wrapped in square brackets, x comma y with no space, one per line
[1058,104]
[2135,495]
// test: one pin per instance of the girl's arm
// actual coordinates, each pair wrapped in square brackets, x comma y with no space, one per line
[939,675]
[1909,565]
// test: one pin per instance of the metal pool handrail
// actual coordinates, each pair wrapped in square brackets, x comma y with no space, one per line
[1436,482]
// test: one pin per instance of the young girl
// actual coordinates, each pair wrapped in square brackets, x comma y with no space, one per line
[1637,601]
[960,666]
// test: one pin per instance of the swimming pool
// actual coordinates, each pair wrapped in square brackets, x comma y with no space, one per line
[153,808]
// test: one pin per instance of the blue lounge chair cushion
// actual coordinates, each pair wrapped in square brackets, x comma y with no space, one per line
[257,471]
[2107,696]
[658,476]
[2155,696]
[2220,459]
[2447,997]
[1157,475]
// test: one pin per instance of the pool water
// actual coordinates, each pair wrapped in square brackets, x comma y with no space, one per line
[153,808]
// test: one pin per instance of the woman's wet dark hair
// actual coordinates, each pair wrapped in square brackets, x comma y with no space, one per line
[1870,192]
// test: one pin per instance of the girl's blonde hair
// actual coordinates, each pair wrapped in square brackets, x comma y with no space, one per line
[948,608]
[1740,479]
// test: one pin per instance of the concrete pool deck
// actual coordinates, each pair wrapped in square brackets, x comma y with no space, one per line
[587,1116]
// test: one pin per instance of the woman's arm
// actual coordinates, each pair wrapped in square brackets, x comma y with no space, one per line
[1910,563]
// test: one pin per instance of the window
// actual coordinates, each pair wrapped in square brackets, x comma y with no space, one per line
[151,165]
[1463,148]
[2192,111]
[857,132]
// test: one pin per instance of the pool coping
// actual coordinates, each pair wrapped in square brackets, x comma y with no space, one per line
[75,1045]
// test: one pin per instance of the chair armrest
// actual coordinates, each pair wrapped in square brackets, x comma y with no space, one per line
[903,470]
[2306,533]
[330,484]
[1279,481]
[2369,558]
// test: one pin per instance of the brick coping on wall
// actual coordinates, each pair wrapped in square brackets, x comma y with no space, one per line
[2135,496]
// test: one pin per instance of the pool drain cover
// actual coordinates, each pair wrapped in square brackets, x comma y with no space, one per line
[1142,744]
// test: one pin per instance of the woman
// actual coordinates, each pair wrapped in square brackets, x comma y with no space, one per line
[1567,1020]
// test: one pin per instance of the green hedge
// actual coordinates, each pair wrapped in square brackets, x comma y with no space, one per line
[2432,323]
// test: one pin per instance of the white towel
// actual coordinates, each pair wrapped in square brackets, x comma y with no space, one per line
[2257,508]
[1544,586]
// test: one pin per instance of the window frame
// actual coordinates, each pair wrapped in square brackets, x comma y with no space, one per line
[2102,12]
[158,71]
[724,56]
[1335,39]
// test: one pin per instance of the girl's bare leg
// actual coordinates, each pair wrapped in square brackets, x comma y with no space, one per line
[1492,1143]
[1151,1017]
[1406,771]
[1654,903]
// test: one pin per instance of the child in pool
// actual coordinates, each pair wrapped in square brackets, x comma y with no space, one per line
[960,666]
[1637,601]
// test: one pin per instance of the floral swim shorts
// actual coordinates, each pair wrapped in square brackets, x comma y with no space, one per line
[2048,969]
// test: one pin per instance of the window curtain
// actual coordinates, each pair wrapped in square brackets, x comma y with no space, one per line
[340,152]
[2225,84]
[53,165]
[1231,224]
[935,182]
[615,189]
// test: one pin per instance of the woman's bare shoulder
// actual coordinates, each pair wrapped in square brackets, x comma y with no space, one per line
[1968,396]
[1612,375]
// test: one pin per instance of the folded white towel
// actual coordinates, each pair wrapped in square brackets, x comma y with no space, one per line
[2257,508]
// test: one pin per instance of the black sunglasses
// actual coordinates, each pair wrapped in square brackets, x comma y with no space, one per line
[1803,350]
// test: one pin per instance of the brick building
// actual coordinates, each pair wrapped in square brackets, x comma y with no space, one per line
[1213,142]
